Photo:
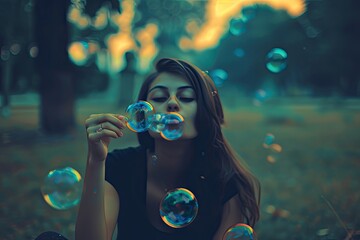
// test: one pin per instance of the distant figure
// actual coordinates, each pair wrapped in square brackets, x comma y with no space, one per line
[127,80]
[125,187]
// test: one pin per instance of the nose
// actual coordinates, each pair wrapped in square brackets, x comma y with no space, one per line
[172,105]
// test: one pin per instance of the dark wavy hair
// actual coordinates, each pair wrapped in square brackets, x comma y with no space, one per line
[220,158]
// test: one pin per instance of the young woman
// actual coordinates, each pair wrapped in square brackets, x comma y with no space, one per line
[125,187]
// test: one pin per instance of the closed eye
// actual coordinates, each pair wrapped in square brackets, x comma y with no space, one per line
[186,99]
[159,99]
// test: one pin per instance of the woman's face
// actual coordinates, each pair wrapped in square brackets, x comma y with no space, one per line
[172,93]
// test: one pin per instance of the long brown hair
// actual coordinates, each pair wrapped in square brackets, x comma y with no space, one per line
[221,158]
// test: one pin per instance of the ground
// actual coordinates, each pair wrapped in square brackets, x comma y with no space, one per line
[310,189]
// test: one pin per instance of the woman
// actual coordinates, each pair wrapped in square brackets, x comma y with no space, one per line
[125,187]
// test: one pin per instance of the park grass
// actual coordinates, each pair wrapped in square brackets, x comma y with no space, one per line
[309,191]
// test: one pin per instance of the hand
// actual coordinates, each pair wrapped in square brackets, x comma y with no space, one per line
[100,129]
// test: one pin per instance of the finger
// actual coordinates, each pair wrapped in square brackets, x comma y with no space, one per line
[101,128]
[111,127]
[115,119]
[99,135]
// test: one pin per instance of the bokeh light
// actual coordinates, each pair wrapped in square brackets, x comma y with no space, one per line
[79,52]
[239,232]
[219,76]
[5,53]
[15,48]
[273,148]
[260,97]
[62,188]
[178,208]
[239,52]
[33,50]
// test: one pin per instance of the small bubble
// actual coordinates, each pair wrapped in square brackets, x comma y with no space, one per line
[276,60]
[269,139]
[237,26]
[239,231]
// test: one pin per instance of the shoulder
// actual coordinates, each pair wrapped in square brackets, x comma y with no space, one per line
[120,154]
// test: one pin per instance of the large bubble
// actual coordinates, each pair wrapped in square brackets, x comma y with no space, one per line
[62,188]
[276,60]
[178,208]
[239,231]
[137,116]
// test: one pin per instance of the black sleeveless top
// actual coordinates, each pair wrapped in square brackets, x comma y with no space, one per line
[126,171]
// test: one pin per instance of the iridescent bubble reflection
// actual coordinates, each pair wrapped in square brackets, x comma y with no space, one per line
[178,208]
[239,231]
[62,188]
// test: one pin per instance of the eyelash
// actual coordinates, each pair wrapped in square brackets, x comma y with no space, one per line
[163,99]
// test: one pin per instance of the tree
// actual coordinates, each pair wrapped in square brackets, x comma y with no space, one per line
[56,86]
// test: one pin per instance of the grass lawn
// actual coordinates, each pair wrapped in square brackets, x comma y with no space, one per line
[310,190]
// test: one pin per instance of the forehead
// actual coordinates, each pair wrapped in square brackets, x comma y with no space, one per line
[170,81]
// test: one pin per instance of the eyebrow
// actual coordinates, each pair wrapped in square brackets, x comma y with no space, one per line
[166,88]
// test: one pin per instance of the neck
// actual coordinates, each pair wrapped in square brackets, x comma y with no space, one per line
[172,158]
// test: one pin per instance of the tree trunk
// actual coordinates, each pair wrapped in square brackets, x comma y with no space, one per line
[56,86]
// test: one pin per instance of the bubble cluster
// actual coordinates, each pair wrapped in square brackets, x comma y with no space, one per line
[239,231]
[178,208]
[62,188]
[276,60]
[141,117]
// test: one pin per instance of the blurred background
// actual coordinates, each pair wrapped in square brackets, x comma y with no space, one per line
[287,72]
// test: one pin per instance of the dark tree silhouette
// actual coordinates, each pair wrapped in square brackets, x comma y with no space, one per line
[56,85]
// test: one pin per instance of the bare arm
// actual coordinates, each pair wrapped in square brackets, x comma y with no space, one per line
[231,215]
[100,202]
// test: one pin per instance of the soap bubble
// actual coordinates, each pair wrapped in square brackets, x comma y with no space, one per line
[156,122]
[137,115]
[62,188]
[268,140]
[237,26]
[173,126]
[178,208]
[239,231]
[276,60]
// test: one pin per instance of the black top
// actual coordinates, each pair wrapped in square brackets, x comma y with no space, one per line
[126,170]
